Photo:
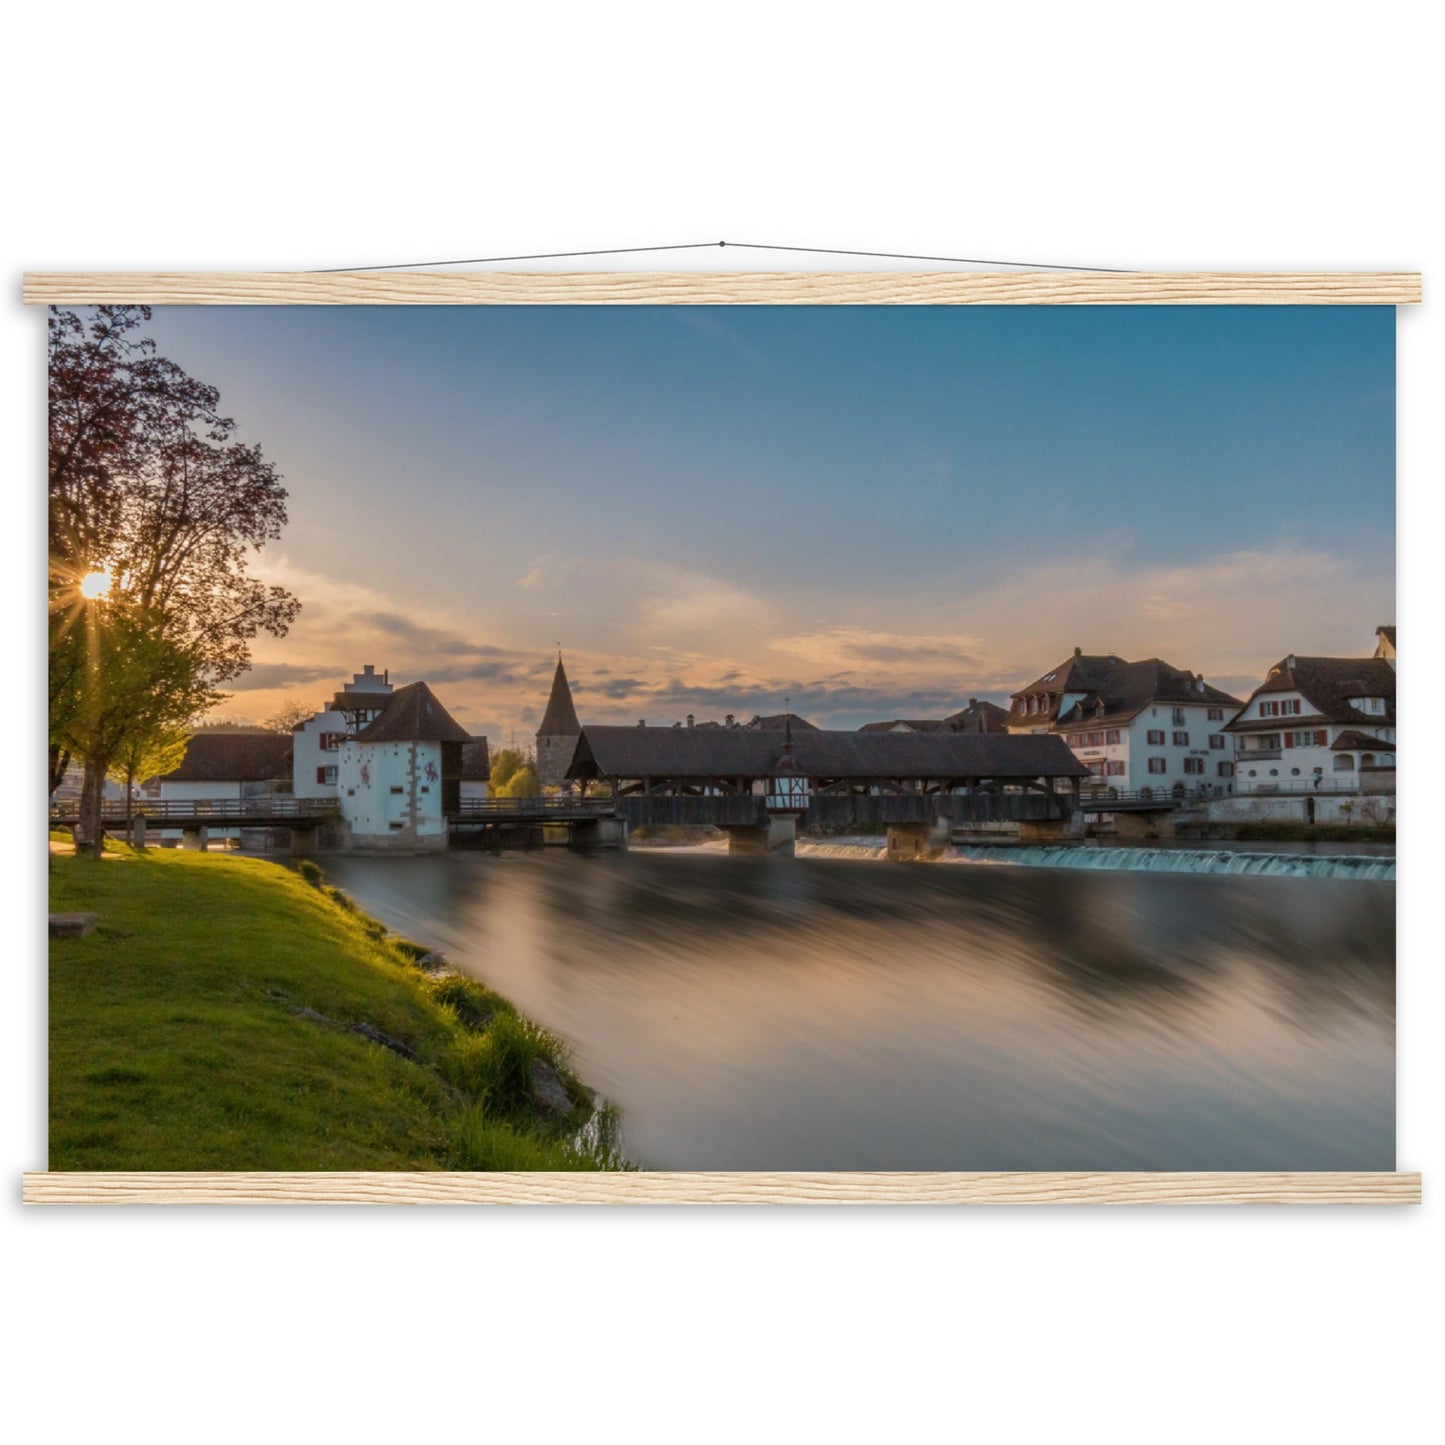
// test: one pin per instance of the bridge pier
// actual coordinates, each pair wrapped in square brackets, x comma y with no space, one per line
[1144,825]
[909,841]
[598,833]
[194,838]
[138,832]
[303,842]
[778,835]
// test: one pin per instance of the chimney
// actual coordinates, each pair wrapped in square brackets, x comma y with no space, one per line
[691,721]
[1078,653]
[642,722]
[973,702]
[731,721]
[1289,661]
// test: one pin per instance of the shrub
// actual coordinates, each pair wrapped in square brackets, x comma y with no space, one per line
[341,900]
[474,1004]
[310,872]
[478,1142]
[495,1067]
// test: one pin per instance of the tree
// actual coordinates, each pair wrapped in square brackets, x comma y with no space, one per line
[504,767]
[130,690]
[522,784]
[288,719]
[143,755]
[148,485]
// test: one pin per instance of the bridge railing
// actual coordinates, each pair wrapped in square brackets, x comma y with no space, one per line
[542,807]
[160,810]
[1098,799]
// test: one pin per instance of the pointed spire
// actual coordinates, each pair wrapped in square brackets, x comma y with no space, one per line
[560,719]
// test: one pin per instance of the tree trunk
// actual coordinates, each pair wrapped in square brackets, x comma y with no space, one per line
[59,762]
[129,794]
[90,833]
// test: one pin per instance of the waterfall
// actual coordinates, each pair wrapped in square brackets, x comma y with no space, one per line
[1145,860]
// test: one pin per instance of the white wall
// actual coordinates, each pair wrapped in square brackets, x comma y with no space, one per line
[392,792]
[1134,749]
[307,754]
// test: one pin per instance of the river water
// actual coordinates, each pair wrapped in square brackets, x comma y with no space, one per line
[842,1012]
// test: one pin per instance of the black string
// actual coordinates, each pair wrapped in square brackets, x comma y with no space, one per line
[705,245]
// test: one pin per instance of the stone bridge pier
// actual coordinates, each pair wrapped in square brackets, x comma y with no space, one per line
[598,833]
[1052,830]
[907,841]
[777,835]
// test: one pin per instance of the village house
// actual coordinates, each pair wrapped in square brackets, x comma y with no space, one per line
[316,743]
[399,778]
[1134,725]
[223,766]
[1320,725]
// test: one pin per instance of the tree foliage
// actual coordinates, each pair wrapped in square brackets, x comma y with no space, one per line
[149,484]
[522,784]
[505,764]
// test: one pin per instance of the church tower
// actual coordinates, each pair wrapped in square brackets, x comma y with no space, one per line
[558,734]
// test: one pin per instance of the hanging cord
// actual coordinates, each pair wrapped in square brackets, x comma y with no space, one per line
[717,245]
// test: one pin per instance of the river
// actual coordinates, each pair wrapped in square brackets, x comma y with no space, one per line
[837,1012]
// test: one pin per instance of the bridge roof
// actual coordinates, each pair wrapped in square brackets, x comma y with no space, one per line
[639,752]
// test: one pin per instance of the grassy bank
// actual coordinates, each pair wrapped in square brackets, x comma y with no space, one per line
[229,1014]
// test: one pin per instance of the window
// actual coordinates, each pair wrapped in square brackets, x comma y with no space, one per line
[1374,705]
[1311,739]
[326,775]
[1225,770]
[1158,765]
[398,791]
[1181,740]
[1179,718]
[396,827]
[1344,763]
[1216,714]
[1156,737]
[1288,708]
[1116,768]
[1193,765]
[1217,741]
[331,741]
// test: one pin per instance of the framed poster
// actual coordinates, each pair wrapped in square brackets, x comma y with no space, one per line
[722,738]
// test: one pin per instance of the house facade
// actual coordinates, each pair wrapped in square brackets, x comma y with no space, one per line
[1135,725]
[1320,725]
[400,776]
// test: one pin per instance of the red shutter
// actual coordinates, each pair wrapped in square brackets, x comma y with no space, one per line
[1289,740]
[321,775]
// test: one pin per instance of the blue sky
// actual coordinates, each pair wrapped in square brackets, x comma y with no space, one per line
[880,510]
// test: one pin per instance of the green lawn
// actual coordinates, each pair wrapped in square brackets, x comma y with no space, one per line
[208,1023]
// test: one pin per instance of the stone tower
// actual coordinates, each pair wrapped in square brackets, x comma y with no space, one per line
[558,734]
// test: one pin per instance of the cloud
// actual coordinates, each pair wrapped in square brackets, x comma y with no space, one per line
[661,640]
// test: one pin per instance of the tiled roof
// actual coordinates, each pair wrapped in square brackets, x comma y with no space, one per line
[1114,690]
[640,752]
[1354,741]
[215,757]
[1327,684]
[476,761]
[413,715]
[560,719]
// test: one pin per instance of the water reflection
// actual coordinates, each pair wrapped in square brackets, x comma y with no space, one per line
[828,1014]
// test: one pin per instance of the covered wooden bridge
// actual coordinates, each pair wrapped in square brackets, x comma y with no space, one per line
[762,785]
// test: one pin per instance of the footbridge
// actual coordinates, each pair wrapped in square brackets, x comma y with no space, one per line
[761,786]
[197,818]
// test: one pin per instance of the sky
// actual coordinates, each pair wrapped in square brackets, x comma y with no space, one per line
[874,511]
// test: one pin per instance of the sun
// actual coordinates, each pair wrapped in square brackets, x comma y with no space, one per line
[97,584]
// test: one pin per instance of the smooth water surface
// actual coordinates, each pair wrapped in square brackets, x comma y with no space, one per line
[830,1013]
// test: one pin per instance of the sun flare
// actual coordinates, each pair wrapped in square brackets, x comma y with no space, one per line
[97,584]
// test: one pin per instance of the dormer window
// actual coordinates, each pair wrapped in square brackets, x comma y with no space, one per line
[1375,705]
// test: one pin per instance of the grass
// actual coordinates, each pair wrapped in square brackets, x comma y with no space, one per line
[228,1014]
[1290,832]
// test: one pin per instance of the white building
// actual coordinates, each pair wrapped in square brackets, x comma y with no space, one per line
[316,743]
[399,777]
[1320,725]
[1134,725]
[222,767]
